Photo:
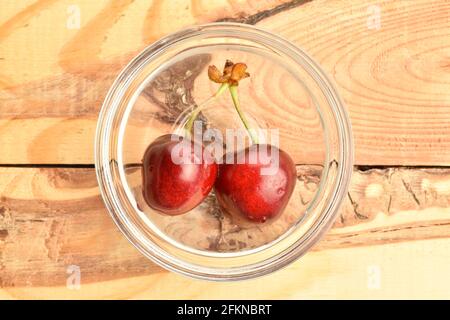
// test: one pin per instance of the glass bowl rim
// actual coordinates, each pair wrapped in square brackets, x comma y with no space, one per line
[105,179]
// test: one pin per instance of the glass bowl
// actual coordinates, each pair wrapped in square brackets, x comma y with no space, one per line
[286,91]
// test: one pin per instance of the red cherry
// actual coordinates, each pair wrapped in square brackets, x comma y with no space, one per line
[176,176]
[245,190]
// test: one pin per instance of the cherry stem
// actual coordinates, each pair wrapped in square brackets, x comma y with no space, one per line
[201,106]
[237,106]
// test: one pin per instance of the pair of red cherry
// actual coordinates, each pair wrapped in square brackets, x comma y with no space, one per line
[241,187]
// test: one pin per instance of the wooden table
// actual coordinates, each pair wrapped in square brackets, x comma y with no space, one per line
[391,63]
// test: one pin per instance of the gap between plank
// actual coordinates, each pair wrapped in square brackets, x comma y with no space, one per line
[361,168]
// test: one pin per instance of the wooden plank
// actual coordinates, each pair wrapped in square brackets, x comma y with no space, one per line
[393,79]
[51,218]
[394,271]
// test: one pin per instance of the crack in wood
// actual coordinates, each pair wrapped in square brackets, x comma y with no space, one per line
[410,191]
[389,205]
[355,208]
[371,193]
[257,17]
[48,165]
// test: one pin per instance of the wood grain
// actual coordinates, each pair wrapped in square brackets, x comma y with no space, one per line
[394,80]
[273,99]
[51,218]
[393,228]
[395,271]
[46,87]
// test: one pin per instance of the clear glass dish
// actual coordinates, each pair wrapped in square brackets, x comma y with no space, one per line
[287,90]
